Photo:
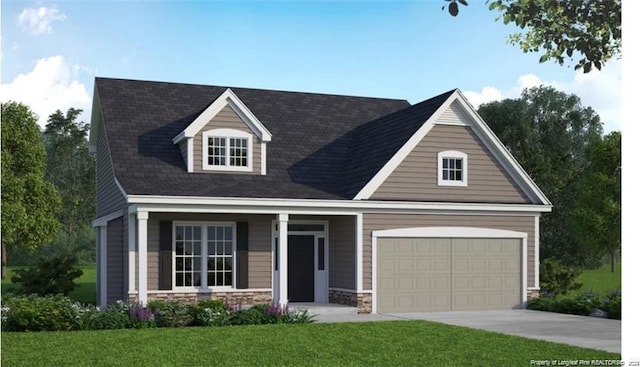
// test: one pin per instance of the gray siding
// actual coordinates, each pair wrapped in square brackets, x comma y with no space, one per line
[115,261]
[226,118]
[259,244]
[373,222]
[342,252]
[184,150]
[416,178]
[108,196]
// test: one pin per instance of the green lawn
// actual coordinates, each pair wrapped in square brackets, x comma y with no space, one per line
[601,280]
[390,343]
[85,291]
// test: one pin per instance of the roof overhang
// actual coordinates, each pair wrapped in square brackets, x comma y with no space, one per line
[227,98]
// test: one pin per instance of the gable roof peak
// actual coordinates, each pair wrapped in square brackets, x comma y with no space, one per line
[227,98]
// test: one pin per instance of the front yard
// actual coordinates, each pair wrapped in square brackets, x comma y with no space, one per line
[391,343]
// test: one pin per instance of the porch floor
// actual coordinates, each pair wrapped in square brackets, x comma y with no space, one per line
[324,308]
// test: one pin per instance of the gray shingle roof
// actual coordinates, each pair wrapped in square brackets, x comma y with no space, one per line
[323,146]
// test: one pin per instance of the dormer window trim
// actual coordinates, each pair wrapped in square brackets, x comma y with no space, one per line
[453,168]
[229,149]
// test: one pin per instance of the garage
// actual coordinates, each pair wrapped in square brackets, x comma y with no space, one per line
[448,269]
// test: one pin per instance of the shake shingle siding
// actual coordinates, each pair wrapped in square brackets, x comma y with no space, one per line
[109,197]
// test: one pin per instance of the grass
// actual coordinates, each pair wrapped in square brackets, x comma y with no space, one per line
[601,280]
[85,291]
[390,343]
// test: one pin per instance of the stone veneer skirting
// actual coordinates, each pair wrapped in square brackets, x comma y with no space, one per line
[533,293]
[234,298]
[351,298]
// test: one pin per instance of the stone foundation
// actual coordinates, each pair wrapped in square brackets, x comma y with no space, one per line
[533,293]
[351,298]
[235,298]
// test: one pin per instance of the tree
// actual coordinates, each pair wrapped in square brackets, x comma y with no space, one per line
[29,202]
[597,220]
[549,132]
[71,168]
[562,29]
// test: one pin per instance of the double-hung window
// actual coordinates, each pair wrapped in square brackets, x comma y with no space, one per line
[452,168]
[226,150]
[204,255]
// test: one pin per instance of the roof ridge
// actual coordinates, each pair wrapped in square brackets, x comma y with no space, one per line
[253,89]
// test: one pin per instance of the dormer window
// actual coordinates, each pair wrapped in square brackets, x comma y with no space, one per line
[226,150]
[452,168]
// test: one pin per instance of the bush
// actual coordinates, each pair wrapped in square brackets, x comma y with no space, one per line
[210,313]
[557,278]
[170,314]
[250,316]
[579,304]
[53,275]
[35,313]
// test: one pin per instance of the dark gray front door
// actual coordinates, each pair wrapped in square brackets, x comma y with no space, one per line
[301,266]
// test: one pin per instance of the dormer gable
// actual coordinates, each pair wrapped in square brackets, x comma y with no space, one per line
[225,137]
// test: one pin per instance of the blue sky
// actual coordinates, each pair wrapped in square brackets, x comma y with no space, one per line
[51,51]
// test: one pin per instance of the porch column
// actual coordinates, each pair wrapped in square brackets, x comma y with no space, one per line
[102,294]
[142,257]
[131,222]
[283,236]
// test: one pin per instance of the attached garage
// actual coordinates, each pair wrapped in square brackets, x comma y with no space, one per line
[448,268]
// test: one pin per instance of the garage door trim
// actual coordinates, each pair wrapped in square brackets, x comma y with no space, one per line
[445,232]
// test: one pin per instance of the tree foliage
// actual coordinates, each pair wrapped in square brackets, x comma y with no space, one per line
[71,168]
[587,29]
[549,133]
[597,220]
[29,202]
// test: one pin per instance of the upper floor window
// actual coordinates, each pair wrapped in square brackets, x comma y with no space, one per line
[226,150]
[452,168]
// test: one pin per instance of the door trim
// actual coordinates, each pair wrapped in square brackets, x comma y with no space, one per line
[321,277]
[444,232]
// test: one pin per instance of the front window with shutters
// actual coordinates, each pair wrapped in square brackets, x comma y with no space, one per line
[204,255]
[226,150]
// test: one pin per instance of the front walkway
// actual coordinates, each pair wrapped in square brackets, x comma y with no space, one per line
[581,331]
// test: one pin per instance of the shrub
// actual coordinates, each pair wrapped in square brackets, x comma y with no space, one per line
[171,313]
[210,313]
[53,275]
[557,278]
[612,304]
[35,313]
[578,304]
[250,316]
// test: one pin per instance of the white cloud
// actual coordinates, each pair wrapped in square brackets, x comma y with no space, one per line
[39,20]
[599,89]
[51,85]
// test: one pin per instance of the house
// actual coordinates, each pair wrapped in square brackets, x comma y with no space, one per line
[260,196]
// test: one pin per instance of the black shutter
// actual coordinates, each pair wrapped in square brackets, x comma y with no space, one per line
[166,249]
[242,255]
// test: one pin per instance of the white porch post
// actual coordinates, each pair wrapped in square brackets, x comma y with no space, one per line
[132,252]
[359,241]
[142,257]
[103,267]
[283,235]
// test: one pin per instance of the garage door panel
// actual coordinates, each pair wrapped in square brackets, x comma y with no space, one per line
[434,274]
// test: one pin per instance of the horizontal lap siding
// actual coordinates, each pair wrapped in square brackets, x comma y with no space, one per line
[259,243]
[226,119]
[108,196]
[342,252]
[115,261]
[416,178]
[374,222]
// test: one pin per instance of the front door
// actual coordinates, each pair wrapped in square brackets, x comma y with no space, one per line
[301,268]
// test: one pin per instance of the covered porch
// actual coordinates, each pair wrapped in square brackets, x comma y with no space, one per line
[243,258]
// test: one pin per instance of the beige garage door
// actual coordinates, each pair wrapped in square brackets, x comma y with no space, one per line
[438,274]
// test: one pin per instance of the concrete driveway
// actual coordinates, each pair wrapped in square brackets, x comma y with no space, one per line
[581,331]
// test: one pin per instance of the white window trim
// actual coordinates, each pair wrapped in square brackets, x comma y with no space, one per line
[453,154]
[227,134]
[203,257]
